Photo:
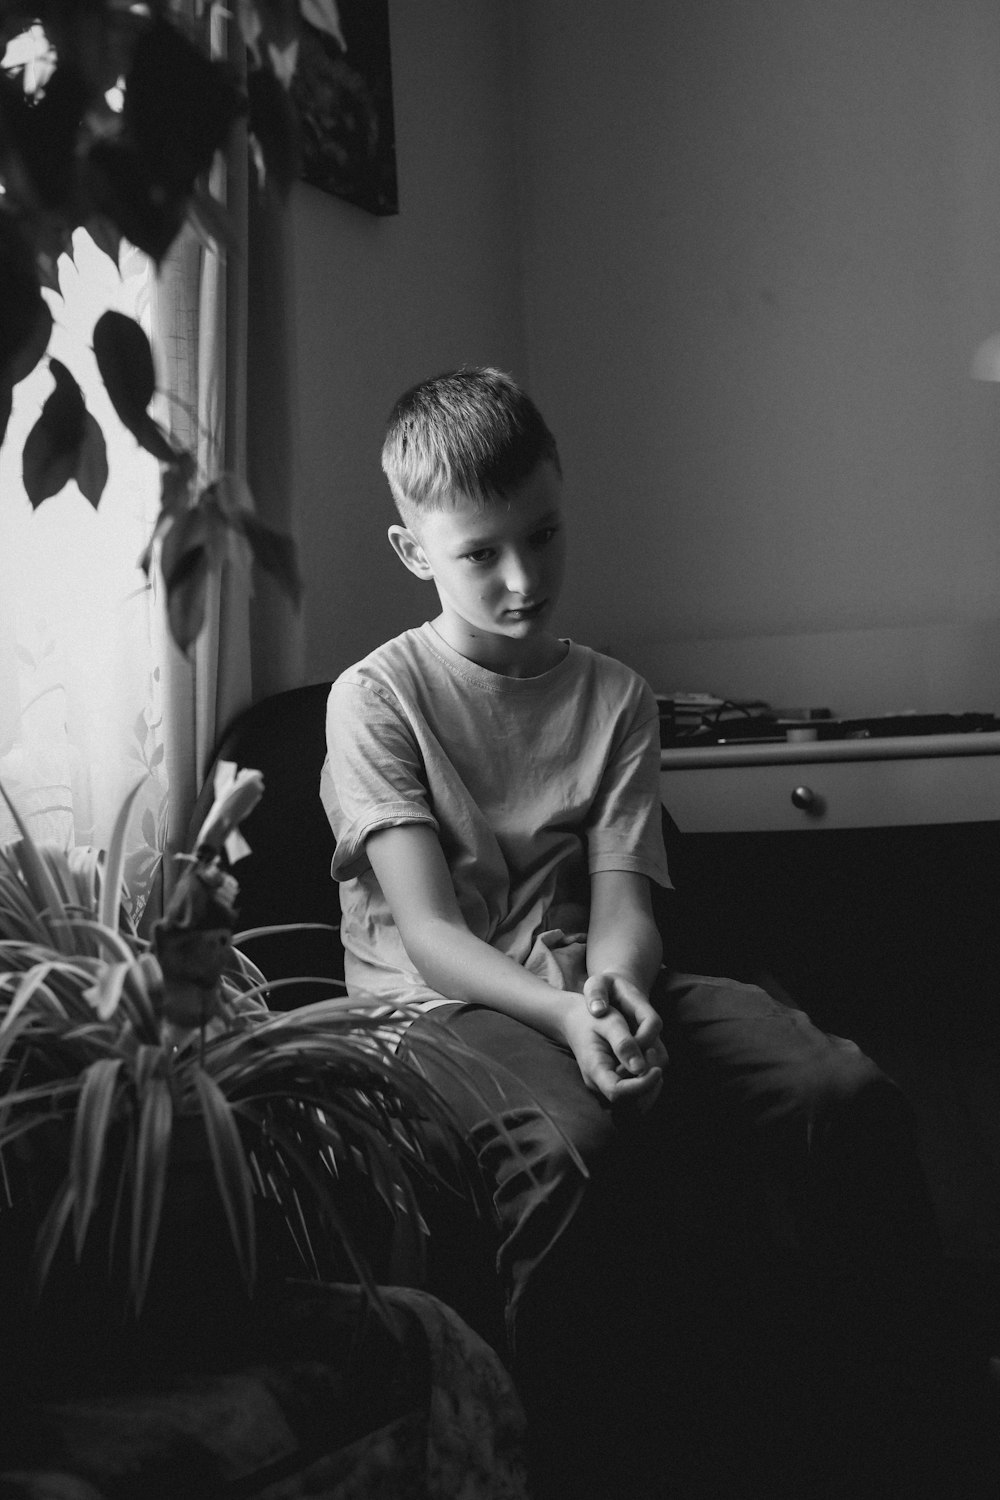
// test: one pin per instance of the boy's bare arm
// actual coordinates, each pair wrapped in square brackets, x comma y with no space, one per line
[624,954]
[410,866]
[622,937]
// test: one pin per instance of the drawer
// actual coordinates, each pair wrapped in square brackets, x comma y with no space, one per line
[792,796]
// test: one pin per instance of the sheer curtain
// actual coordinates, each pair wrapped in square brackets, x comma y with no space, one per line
[82,685]
[199,312]
[94,695]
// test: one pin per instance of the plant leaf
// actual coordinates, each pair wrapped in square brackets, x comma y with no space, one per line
[325,16]
[152,1158]
[114,865]
[106,991]
[30,984]
[187,592]
[179,106]
[105,235]
[25,320]
[94,1111]
[50,1231]
[276,554]
[118,184]
[41,887]
[232,1172]
[92,462]
[274,123]
[125,361]
[52,447]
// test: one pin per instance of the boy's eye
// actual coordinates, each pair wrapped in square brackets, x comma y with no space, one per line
[545,535]
[481,555]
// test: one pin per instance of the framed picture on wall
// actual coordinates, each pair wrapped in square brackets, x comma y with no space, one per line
[343,98]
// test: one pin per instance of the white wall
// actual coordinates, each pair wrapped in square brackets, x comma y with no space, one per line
[762,242]
[742,255]
[382,303]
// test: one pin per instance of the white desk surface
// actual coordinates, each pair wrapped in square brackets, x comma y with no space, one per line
[895,747]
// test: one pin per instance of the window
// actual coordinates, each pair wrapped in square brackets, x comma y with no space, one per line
[81,691]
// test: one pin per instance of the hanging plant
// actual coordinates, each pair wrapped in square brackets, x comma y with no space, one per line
[111,115]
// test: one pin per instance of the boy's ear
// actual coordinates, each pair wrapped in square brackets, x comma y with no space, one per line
[408,549]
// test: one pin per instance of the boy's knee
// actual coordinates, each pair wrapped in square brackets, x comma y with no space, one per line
[768,1056]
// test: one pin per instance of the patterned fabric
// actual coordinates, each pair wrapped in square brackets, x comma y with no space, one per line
[428,1411]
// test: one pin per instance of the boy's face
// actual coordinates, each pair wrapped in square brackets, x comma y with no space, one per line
[498,570]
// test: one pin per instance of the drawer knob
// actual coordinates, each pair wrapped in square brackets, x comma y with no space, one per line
[809,801]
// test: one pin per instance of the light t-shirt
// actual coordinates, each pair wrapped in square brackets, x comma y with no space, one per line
[531,783]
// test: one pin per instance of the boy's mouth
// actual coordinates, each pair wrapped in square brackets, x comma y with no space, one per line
[525,611]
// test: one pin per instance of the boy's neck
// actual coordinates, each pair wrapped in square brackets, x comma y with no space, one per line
[507,658]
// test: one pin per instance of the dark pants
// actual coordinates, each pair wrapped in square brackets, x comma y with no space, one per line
[774,1185]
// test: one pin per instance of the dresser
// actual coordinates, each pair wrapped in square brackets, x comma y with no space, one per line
[834,784]
[862,875]
[861,880]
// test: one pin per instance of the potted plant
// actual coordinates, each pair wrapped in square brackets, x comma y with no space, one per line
[134,1072]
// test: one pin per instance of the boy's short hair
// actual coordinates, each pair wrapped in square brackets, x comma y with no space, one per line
[471,432]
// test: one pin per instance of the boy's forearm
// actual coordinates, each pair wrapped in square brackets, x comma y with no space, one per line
[460,966]
[632,947]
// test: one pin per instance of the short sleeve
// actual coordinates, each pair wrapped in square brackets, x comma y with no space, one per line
[625,827]
[373,775]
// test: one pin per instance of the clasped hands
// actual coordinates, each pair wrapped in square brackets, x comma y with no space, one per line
[615,1037]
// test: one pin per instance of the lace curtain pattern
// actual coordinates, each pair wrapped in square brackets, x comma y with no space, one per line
[81,649]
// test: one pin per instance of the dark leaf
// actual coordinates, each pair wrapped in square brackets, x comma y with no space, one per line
[185,567]
[232,1173]
[24,360]
[175,488]
[151,1157]
[179,107]
[37,342]
[92,464]
[97,36]
[20,297]
[94,1112]
[274,122]
[188,534]
[105,236]
[280,21]
[175,491]
[52,447]
[125,361]
[42,131]
[150,435]
[46,469]
[275,553]
[186,595]
[121,188]
[325,16]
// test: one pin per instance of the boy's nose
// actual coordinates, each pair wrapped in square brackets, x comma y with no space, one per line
[521,576]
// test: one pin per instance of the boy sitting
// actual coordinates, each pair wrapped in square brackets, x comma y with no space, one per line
[494,791]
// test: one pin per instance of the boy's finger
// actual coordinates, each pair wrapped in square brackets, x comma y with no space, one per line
[596,993]
[656,1055]
[604,1080]
[645,1089]
[630,1054]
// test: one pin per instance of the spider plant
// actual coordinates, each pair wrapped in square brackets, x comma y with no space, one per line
[114,1049]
